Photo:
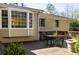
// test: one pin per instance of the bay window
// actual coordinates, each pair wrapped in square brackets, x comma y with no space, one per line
[18,19]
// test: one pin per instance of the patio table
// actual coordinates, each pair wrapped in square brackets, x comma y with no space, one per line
[55,40]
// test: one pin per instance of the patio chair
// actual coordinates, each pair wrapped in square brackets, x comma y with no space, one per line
[63,41]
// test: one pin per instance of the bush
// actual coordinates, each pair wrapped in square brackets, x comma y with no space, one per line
[77,45]
[73,47]
[15,49]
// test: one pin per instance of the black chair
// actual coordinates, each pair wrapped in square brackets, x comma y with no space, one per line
[63,41]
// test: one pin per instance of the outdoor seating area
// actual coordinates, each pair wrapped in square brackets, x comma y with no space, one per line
[55,38]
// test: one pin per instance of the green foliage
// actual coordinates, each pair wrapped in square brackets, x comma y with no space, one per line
[77,45]
[73,47]
[15,49]
[74,25]
[51,8]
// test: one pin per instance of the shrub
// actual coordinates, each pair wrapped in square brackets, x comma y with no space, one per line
[15,49]
[77,45]
[73,47]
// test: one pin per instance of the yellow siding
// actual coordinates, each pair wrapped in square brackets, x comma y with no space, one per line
[50,24]
[16,39]
[4,33]
[64,25]
[18,32]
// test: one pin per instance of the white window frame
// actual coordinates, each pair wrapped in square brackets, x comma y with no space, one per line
[27,11]
[26,20]
[32,20]
[1,18]
[10,20]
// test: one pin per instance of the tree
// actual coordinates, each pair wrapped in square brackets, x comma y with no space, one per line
[70,11]
[15,49]
[51,9]
[62,13]
[22,4]
[74,25]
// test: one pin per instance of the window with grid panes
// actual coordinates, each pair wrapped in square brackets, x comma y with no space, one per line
[19,19]
[42,22]
[30,20]
[4,19]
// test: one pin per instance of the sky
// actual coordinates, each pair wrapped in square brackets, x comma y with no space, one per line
[41,4]
[59,6]
[39,1]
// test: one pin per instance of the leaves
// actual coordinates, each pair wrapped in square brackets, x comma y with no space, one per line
[51,9]
[76,46]
[15,49]
[74,25]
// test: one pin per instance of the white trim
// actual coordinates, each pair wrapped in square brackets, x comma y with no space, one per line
[0,19]
[32,21]
[4,28]
[9,21]
[4,8]
[9,18]
[21,10]
[16,28]
[28,22]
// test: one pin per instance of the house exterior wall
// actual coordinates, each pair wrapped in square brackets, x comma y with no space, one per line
[30,34]
[50,24]
[64,25]
[16,39]
[18,32]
